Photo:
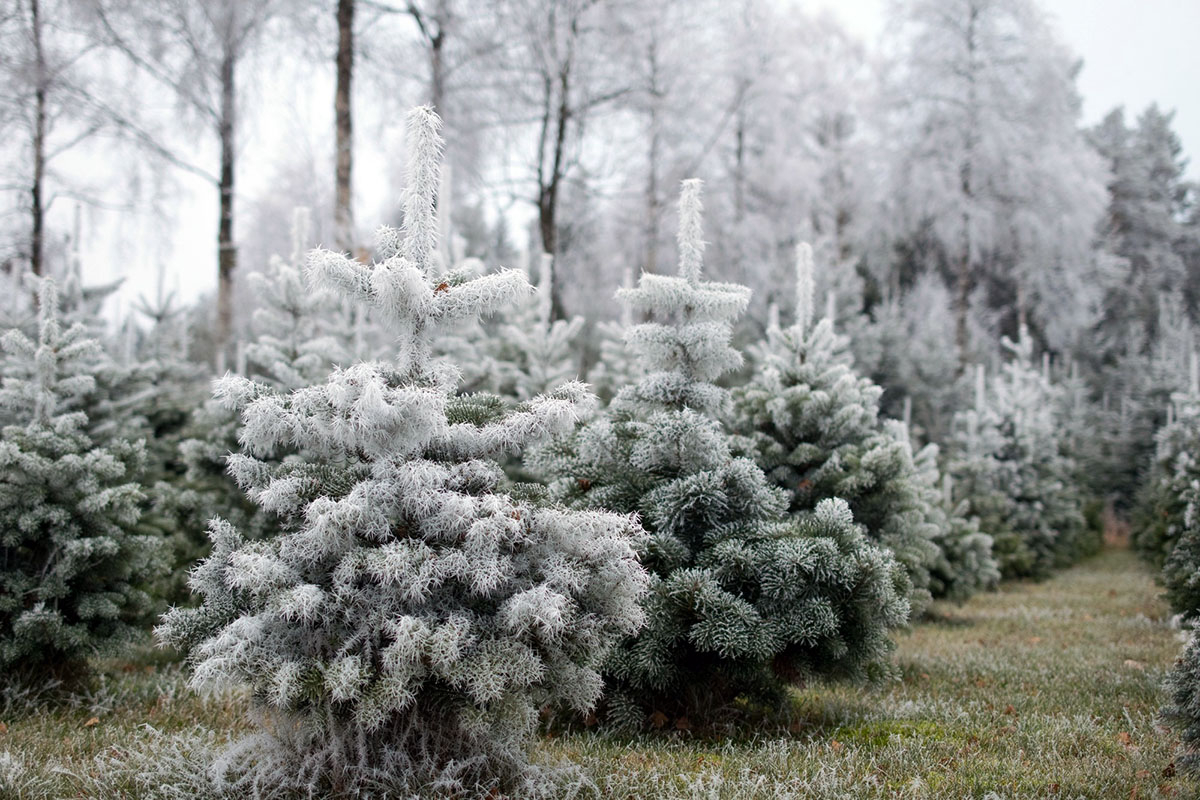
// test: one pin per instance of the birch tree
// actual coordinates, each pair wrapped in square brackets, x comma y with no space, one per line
[194,50]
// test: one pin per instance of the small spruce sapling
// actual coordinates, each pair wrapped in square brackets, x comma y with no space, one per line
[294,345]
[1011,466]
[813,426]
[534,352]
[73,568]
[402,631]
[745,598]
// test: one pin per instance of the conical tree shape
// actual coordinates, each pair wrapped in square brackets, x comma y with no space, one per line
[744,597]
[73,569]
[813,426]
[406,625]
[1009,465]
[1159,517]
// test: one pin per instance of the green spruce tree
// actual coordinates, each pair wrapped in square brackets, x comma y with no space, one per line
[813,425]
[745,597]
[73,568]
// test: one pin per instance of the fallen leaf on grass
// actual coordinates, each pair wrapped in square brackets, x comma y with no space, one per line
[3,728]
[1009,709]
[835,746]
[91,722]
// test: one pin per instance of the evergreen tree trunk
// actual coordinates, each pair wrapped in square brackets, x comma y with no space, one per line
[343,211]
[226,249]
[37,209]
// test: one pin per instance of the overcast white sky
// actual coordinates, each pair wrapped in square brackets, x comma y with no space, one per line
[1135,52]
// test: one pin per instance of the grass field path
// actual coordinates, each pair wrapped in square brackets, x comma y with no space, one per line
[1037,690]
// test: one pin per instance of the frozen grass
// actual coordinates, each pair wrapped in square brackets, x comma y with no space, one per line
[1039,690]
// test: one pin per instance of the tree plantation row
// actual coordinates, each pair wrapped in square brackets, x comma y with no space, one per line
[406,575]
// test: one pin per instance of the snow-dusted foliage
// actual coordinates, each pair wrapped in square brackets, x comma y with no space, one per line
[410,619]
[745,597]
[813,425]
[1168,524]
[73,569]
[535,352]
[1183,709]
[294,325]
[965,564]
[299,335]
[1159,518]
[522,351]
[906,345]
[616,366]
[1009,465]
[1177,540]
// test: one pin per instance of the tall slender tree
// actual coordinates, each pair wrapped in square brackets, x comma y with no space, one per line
[978,81]
[194,50]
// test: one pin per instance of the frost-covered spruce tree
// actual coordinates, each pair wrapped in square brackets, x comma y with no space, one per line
[408,622]
[294,324]
[813,426]
[536,353]
[616,366]
[1181,576]
[1010,467]
[1183,708]
[745,597]
[965,564]
[1159,516]
[1169,531]
[73,569]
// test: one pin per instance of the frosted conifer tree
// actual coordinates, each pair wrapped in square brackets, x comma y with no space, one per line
[537,353]
[408,622]
[73,569]
[1010,466]
[744,597]
[1183,709]
[616,367]
[813,426]
[1169,531]
[965,564]
[1159,518]
[1175,539]
[293,346]
[298,339]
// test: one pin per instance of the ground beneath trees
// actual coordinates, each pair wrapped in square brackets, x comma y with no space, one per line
[1038,690]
